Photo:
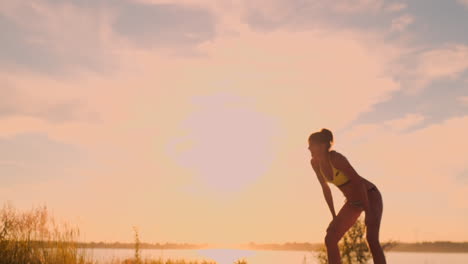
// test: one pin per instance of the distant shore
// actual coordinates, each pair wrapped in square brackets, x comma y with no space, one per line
[436,246]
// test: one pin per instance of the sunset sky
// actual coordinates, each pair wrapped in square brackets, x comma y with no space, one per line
[190,118]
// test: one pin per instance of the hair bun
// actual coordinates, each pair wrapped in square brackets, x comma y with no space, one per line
[328,135]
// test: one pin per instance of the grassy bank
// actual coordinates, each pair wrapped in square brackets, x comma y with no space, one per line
[34,237]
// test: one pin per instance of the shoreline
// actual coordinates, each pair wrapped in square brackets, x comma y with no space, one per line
[423,247]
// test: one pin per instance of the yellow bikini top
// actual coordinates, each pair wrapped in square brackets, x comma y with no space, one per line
[339,178]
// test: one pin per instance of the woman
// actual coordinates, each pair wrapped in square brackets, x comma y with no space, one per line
[361,195]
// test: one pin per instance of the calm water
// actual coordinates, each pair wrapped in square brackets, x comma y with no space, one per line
[228,256]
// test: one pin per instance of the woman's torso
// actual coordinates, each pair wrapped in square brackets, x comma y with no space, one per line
[350,189]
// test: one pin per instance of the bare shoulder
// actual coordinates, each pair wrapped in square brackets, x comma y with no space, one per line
[337,158]
[335,154]
[342,163]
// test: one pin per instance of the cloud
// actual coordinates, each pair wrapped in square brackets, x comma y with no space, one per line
[402,22]
[447,62]
[164,24]
[15,102]
[463,100]
[427,102]
[353,6]
[395,7]
[300,15]
[53,38]
[463,2]
[16,50]
[44,98]
[33,158]
[404,123]
[70,37]
[438,23]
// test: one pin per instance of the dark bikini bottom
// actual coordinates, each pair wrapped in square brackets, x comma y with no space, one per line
[359,203]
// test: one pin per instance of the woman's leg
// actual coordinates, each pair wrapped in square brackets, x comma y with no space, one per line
[345,218]
[372,235]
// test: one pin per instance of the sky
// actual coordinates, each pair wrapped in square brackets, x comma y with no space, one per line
[189,119]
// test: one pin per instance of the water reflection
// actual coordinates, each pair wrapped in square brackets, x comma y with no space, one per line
[229,256]
[225,255]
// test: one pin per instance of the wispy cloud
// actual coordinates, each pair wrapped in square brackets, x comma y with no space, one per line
[41,36]
[402,22]
[463,100]
[404,123]
[438,23]
[352,6]
[164,24]
[463,2]
[447,62]
[267,15]
[17,102]
[34,158]
[395,7]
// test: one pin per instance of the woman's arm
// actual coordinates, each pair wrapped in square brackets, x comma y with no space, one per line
[343,164]
[329,198]
[325,188]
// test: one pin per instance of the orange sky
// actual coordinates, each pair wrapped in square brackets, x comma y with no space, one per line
[198,133]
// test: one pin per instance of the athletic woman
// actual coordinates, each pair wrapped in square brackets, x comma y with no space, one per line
[361,195]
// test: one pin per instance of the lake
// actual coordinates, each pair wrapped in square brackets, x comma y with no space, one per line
[228,256]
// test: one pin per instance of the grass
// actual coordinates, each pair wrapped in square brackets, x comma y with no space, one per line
[34,237]
[159,261]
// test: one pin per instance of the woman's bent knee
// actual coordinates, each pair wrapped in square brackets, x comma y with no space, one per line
[373,241]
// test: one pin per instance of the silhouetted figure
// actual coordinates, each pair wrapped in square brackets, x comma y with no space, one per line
[361,195]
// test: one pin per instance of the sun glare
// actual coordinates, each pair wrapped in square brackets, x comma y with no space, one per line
[225,256]
[228,146]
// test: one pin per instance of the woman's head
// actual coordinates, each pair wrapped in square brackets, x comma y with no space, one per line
[320,143]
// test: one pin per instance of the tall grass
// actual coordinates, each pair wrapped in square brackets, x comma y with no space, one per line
[137,246]
[138,260]
[161,261]
[34,237]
